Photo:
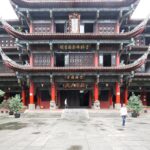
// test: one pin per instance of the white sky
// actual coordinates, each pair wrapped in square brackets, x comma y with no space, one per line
[6,11]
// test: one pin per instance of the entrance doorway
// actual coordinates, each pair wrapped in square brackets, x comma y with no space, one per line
[75,98]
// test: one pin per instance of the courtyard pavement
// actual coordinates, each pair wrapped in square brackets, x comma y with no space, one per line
[45,130]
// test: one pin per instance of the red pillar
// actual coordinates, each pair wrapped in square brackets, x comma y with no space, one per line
[31,60]
[117,93]
[31,27]
[117,28]
[126,95]
[117,59]
[23,96]
[96,92]
[110,99]
[52,60]
[53,92]
[31,90]
[96,59]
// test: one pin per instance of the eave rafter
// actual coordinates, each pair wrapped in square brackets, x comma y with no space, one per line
[64,36]
[121,68]
[72,3]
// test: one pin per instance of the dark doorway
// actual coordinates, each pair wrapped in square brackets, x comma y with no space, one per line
[107,60]
[60,28]
[75,98]
[60,60]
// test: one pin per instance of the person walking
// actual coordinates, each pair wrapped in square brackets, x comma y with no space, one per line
[123,113]
[65,102]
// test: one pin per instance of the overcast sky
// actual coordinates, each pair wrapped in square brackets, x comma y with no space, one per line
[6,11]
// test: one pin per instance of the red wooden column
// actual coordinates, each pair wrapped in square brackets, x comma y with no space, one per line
[96,92]
[53,92]
[31,59]
[23,94]
[31,27]
[53,96]
[117,28]
[126,95]
[52,60]
[96,59]
[96,95]
[31,94]
[117,105]
[110,98]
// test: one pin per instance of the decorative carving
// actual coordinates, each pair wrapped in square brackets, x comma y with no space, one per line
[74,23]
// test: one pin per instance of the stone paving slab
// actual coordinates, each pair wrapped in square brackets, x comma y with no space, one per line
[101,132]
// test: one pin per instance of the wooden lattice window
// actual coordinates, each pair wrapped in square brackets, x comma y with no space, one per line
[41,27]
[41,59]
[106,28]
[81,59]
[7,42]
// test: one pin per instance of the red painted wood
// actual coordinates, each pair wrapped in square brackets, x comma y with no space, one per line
[126,95]
[117,93]
[96,92]
[104,104]
[23,97]
[110,98]
[53,92]
[31,92]
[96,60]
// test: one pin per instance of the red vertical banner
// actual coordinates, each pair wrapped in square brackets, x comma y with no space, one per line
[31,92]
[117,93]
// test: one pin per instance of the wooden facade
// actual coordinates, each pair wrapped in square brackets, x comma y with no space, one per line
[90,53]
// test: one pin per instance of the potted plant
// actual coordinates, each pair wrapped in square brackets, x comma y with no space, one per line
[135,105]
[4,106]
[16,105]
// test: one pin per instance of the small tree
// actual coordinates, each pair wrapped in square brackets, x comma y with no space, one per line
[2,93]
[135,104]
[15,103]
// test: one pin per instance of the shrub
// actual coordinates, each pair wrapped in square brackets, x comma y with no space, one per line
[15,103]
[134,104]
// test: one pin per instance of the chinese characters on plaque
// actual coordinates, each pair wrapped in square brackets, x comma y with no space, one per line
[74,84]
[74,77]
[74,47]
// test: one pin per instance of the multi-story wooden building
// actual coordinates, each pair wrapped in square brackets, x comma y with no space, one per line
[88,51]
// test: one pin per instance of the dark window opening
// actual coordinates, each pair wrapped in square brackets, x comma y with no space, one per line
[88,27]
[60,28]
[60,60]
[107,60]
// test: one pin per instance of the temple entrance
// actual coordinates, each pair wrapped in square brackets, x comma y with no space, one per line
[75,98]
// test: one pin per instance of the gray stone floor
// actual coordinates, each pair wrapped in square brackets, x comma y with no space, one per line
[49,132]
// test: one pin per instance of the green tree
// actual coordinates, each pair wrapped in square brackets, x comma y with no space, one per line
[134,104]
[2,93]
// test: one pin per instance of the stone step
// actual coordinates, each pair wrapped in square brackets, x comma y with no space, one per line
[58,113]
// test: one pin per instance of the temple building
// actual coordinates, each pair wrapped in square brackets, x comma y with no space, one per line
[86,51]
